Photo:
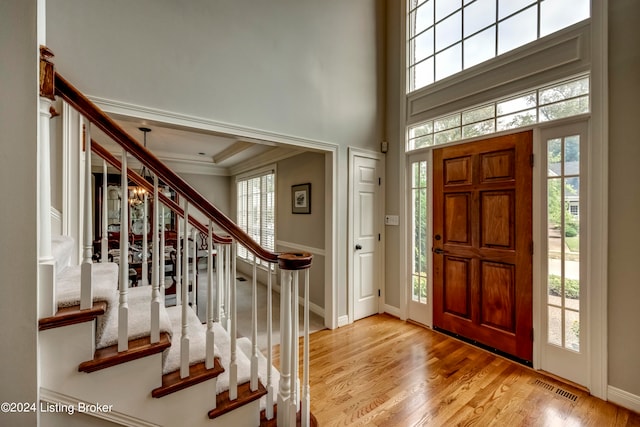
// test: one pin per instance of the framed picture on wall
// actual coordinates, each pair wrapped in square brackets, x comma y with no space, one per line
[301,199]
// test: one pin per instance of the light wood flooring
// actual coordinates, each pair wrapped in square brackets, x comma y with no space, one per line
[381,371]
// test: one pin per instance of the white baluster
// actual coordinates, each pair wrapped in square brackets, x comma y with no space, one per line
[269,408]
[194,272]
[86,290]
[47,284]
[220,262]
[157,258]
[163,255]
[210,338]
[294,401]
[145,244]
[178,267]
[227,289]
[104,242]
[306,395]
[184,341]
[284,390]
[123,305]
[254,328]
[233,365]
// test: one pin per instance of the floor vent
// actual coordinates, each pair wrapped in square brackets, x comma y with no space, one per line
[544,385]
[567,394]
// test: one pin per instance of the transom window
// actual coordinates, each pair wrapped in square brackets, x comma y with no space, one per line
[448,36]
[566,99]
[256,210]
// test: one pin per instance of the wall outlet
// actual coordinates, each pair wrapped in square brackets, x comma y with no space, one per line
[391,220]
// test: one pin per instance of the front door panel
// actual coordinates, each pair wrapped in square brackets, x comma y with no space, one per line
[482,242]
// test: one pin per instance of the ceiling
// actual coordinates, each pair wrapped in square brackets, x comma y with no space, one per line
[198,151]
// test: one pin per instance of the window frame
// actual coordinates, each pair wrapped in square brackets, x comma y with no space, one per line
[260,173]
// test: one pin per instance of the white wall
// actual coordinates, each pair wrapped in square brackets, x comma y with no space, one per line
[309,69]
[18,247]
[624,196]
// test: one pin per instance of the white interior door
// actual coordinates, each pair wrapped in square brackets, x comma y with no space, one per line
[366,227]
[419,286]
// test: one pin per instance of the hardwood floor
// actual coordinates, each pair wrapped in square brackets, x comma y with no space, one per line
[382,371]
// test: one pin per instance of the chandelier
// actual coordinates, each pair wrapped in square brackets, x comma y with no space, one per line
[137,193]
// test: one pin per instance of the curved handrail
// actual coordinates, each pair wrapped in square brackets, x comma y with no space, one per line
[95,115]
[102,152]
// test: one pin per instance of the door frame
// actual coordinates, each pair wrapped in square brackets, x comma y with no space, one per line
[353,153]
[595,244]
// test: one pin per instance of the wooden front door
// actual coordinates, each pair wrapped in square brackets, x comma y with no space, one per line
[482,244]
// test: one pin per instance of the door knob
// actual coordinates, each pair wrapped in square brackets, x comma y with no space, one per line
[358,247]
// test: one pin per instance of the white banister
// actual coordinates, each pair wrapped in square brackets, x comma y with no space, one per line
[184,341]
[209,337]
[123,305]
[157,258]
[254,328]
[86,291]
[144,280]
[104,241]
[269,408]
[306,395]
[284,389]
[233,365]
[294,400]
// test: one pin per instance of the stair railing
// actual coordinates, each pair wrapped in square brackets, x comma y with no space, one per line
[224,308]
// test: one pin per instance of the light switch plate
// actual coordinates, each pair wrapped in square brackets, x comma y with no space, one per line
[391,220]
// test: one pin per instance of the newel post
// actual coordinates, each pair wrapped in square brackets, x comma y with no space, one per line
[47,300]
[288,397]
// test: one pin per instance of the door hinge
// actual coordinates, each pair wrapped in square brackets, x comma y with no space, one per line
[378,292]
[531,160]
[379,181]
[378,237]
[531,248]
[532,334]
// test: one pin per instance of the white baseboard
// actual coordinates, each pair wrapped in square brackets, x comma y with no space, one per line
[343,321]
[623,398]
[70,404]
[394,311]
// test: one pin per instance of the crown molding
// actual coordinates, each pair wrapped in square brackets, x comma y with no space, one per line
[169,117]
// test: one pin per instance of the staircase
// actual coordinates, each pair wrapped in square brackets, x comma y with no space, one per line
[119,352]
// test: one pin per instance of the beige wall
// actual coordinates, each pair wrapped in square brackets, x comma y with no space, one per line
[624,195]
[18,173]
[214,188]
[307,230]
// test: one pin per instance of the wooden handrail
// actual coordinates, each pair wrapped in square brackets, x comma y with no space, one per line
[103,153]
[95,115]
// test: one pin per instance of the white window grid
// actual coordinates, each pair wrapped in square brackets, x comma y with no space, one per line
[543,104]
[448,36]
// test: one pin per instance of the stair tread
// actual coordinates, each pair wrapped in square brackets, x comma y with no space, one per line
[245,396]
[139,308]
[197,373]
[138,348]
[72,315]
